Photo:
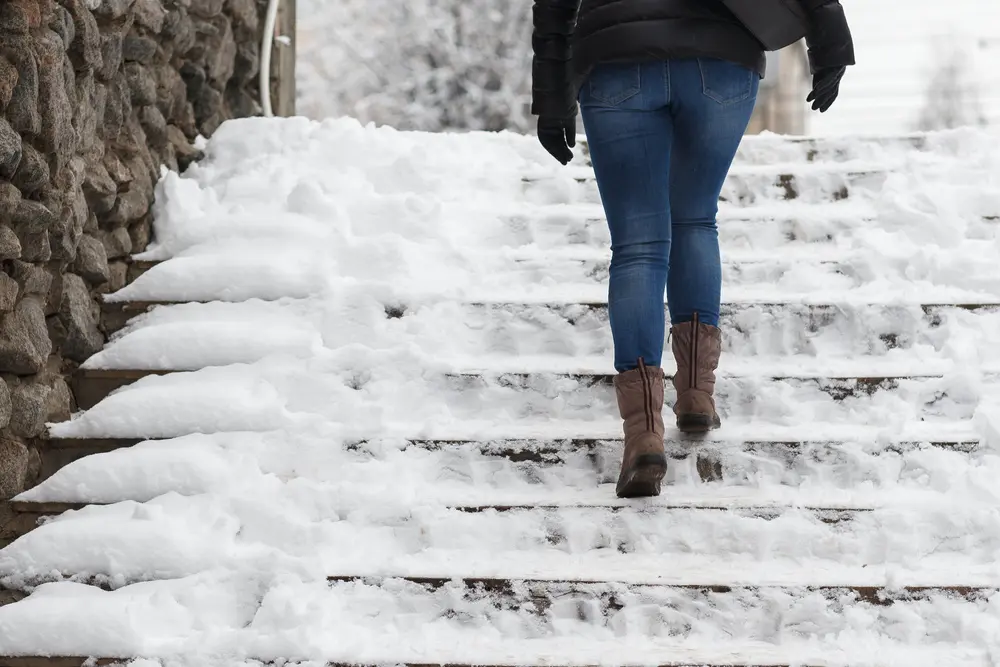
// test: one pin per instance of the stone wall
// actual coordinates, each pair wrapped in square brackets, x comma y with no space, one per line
[95,95]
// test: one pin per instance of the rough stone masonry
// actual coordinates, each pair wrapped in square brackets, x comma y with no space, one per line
[95,95]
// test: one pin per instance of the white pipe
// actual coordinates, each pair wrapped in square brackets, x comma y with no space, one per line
[265,57]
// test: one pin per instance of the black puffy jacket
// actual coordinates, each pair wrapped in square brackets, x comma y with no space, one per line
[571,36]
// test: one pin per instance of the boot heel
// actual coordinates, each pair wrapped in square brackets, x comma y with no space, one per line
[696,423]
[643,478]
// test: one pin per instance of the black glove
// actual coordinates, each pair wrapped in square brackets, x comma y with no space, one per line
[557,136]
[826,87]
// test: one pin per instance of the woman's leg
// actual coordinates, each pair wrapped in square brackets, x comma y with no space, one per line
[629,131]
[711,106]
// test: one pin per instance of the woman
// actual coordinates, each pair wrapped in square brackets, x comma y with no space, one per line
[666,89]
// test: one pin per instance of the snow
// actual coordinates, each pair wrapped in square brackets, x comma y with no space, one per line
[368,291]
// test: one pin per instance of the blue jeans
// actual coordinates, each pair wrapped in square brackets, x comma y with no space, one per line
[662,138]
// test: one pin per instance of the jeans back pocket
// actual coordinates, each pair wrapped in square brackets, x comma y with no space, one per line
[725,82]
[611,84]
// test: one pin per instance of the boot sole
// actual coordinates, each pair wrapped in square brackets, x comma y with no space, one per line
[643,479]
[696,423]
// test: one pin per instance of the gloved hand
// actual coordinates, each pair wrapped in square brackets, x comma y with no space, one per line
[557,136]
[826,87]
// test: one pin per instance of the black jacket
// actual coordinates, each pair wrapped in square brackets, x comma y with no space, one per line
[571,36]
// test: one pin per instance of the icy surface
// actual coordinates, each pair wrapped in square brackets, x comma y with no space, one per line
[369,291]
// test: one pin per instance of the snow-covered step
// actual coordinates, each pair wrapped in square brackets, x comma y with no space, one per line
[587,379]
[765,150]
[174,536]
[766,228]
[769,149]
[281,386]
[742,187]
[195,335]
[834,454]
[680,545]
[269,617]
[727,451]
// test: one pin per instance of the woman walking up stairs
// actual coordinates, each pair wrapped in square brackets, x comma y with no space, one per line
[666,90]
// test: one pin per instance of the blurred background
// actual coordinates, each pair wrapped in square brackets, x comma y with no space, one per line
[465,65]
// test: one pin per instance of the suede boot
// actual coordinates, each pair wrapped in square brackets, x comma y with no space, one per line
[696,348]
[640,403]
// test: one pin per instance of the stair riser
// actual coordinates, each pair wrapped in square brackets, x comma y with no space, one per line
[742,189]
[846,331]
[585,397]
[557,232]
[758,151]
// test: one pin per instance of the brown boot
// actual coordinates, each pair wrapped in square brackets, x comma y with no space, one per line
[640,402]
[696,348]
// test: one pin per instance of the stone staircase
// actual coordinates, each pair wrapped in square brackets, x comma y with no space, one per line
[300,499]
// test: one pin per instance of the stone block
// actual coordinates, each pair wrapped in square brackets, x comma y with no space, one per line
[32,217]
[79,314]
[33,280]
[117,243]
[10,245]
[11,149]
[92,261]
[29,399]
[53,300]
[246,64]
[154,125]
[137,48]
[20,16]
[119,173]
[113,9]
[8,81]
[118,275]
[141,232]
[57,138]
[99,188]
[85,51]
[178,30]
[221,55]
[59,406]
[9,290]
[171,92]
[91,97]
[141,85]
[185,151]
[14,464]
[150,14]
[10,197]
[62,24]
[36,247]
[117,109]
[22,110]
[112,46]
[244,13]
[130,205]
[33,172]
[5,404]
[207,9]
[241,104]
[24,338]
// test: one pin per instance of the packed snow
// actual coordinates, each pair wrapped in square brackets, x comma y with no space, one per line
[369,291]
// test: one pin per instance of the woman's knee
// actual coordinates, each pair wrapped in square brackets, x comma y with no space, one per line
[654,254]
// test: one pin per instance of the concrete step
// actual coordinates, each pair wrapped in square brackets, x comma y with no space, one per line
[741,188]
[91,386]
